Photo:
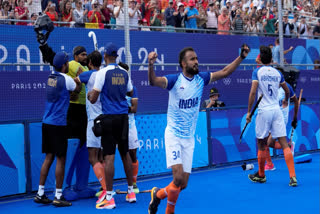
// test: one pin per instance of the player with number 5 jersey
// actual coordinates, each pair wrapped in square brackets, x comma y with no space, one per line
[185,92]
[266,81]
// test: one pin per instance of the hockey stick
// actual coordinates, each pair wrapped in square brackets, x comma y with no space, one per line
[292,131]
[118,191]
[251,114]
[94,38]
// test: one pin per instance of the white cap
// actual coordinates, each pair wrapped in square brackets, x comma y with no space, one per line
[259,8]
[180,4]
[228,1]
[95,2]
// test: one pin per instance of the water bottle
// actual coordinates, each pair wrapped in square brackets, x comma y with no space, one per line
[246,166]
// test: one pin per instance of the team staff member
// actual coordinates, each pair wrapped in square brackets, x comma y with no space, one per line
[54,127]
[93,111]
[133,134]
[76,122]
[113,83]
[269,119]
[185,91]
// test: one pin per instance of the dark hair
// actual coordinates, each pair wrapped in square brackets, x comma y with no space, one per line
[265,54]
[124,66]
[78,50]
[271,45]
[95,58]
[277,40]
[182,54]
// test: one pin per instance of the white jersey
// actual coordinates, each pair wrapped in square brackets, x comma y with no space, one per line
[132,122]
[269,80]
[93,110]
[281,96]
[184,102]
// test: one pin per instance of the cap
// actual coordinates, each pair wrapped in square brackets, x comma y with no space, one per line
[60,59]
[170,1]
[217,3]
[228,1]
[180,4]
[259,8]
[213,91]
[145,20]
[52,5]
[111,49]
[95,2]
[191,3]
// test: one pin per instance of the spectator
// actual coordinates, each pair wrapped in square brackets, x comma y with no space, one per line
[316,30]
[253,12]
[79,14]
[287,27]
[213,100]
[150,7]
[260,25]
[224,22]
[145,25]
[180,17]
[34,6]
[170,14]
[51,12]
[5,13]
[238,23]
[107,12]
[252,27]
[134,14]
[268,23]
[192,15]
[119,14]
[33,18]
[46,3]
[21,12]
[213,15]
[62,6]
[95,15]
[203,18]
[303,28]
[155,19]
[67,14]
[294,23]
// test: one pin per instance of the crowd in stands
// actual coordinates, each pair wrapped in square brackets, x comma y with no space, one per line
[301,18]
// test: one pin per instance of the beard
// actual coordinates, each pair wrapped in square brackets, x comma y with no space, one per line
[192,70]
[84,62]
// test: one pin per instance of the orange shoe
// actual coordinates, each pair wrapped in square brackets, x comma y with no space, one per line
[131,198]
[106,204]
[268,167]
[102,197]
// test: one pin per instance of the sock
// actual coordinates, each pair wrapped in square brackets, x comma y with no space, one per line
[99,172]
[261,162]
[163,193]
[109,195]
[130,189]
[41,190]
[268,157]
[58,193]
[289,161]
[173,194]
[277,145]
[135,169]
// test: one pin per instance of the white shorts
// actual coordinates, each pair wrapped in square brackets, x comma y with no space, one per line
[179,151]
[133,137]
[92,140]
[270,121]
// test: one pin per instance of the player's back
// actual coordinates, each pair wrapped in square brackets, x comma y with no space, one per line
[269,80]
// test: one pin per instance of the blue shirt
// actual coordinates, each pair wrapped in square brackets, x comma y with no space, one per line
[113,83]
[276,54]
[58,97]
[131,115]
[184,102]
[88,78]
[192,23]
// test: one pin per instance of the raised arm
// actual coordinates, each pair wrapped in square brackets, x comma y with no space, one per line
[226,71]
[153,79]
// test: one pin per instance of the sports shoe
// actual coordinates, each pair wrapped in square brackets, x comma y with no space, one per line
[268,167]
[62,202]
[293,182]
[256,178]
[135,188]
[131,198]
[99,192]
[155,201]
[101,197]
[42,199]
[105,204]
